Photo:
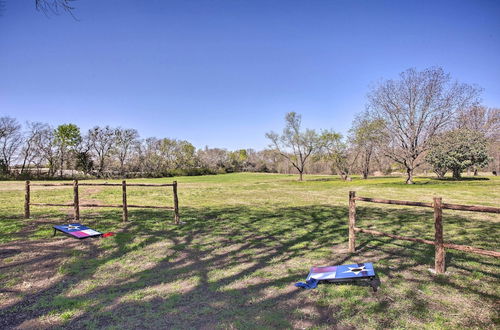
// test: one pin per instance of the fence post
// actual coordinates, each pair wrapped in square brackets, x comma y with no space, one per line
[124,193]
[176,204]
[76,200]
[438,237]
[352,221]
[27,201]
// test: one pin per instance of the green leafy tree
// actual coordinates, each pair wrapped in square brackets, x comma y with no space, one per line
[84,162]
[293,144]
[238,159]
[457,150]
[67,136]
[336,150]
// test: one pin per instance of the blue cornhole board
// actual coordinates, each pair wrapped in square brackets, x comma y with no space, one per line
[341,273]
[77,230]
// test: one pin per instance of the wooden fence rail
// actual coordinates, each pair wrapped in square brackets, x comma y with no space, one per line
[438,242]
[76,199]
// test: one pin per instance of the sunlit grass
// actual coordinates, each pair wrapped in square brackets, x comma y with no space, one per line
[246,239]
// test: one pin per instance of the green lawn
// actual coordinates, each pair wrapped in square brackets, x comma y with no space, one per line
[246,239]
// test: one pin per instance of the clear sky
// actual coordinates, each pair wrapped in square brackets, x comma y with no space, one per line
[223,73]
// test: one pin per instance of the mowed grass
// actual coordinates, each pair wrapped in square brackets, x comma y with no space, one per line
[246,239]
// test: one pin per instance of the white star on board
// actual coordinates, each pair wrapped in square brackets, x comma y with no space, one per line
[356,270]
[69,227]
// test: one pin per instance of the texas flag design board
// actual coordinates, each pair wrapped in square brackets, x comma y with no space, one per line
[77,230]
[342,272]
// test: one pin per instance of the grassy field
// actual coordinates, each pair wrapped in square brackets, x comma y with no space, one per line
[246,239]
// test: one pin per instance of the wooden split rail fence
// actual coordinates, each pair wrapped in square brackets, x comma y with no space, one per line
[76,199]
[438,242]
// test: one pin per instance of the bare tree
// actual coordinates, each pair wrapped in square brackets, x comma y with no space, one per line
[416,107]
[125,140]
[102,140]
[55,6]
[10,141]
[47,143]
[30,153]
[294,145]
[481,119]
[367,135]
[214,159]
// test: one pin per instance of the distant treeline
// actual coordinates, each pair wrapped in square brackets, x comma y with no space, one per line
[38,150]
[422,122]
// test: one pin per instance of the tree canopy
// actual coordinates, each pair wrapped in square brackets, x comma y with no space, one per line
[457,150]
[293,144]
[416,107]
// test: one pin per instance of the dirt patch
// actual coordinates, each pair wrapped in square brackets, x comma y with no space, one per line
[33,269]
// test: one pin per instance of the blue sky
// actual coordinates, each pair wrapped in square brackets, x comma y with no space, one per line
[223,73]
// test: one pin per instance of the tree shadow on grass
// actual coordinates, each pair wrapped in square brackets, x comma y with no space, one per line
[235,266]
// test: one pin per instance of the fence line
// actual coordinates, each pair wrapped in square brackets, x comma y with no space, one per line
[104,184]
[76,199]
[438,242]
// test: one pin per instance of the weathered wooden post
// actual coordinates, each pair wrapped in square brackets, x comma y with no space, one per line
[438,236]
[27,201]
[352,221]
[76,201]
[124,193]
[176,204]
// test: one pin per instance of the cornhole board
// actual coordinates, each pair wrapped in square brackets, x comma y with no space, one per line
[76,230]
[345,273]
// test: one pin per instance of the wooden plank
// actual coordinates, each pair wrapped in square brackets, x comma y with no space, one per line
[101,205]
[100,184]
[150,185]
[128,206]
[51,204]
[51,184]
[464,248]
[391,201]
[471,249]
[352,221]
[27,200]
[128,184]
[474,208]
[76,200]
[124,201]
[439,259]
[176,204]
[104,184]
[404,238]
[152,207]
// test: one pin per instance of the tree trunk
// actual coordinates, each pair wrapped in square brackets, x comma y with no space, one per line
[366,168]
[122,167]
[475,171]
[440,173]
[62,163]
[409,176]
[456,174]
[300,175]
